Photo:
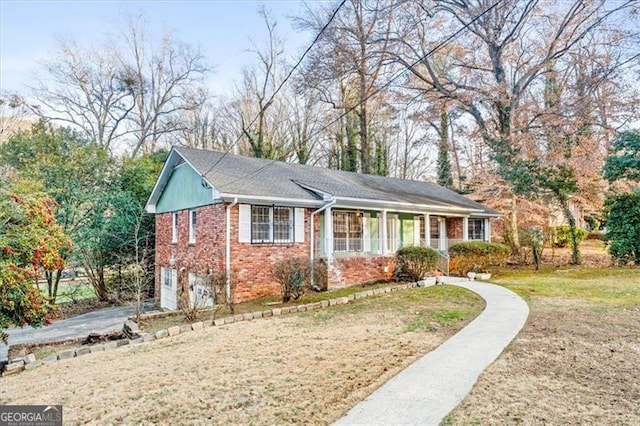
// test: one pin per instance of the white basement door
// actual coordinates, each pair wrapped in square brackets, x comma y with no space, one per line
[169,288]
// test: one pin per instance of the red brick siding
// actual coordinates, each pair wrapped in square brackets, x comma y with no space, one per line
[350,271]
[206,254]
[454,228]
[250,263]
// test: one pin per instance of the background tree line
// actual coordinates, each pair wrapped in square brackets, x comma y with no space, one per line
[514,102]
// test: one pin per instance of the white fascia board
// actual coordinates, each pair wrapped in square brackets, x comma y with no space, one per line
[268,200]
[404,207]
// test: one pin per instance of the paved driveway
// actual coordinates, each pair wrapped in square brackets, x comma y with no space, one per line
[100,321]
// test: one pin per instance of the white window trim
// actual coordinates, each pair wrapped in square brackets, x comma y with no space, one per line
[174,227]
[193,229]
[271,239]
[348,241]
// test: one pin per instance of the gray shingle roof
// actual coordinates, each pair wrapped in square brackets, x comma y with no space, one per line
[233,174]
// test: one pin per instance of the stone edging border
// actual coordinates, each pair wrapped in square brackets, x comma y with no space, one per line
[30,362]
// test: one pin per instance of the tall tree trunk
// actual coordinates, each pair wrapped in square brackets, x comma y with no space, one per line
[576,259]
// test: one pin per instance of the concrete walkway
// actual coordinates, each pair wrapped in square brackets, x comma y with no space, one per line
[101,321]
[426,391]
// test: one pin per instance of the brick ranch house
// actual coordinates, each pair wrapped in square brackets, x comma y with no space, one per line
[223,212]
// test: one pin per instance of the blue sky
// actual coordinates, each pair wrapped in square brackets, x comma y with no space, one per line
[222,29]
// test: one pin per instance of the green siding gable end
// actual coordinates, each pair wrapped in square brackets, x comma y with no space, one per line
[184,190]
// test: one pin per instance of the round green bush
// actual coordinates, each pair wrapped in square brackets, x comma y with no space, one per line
[415,262]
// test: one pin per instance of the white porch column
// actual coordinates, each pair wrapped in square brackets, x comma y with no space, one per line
[465,228]
[427,231]
[383,237]
[487,230]
[442,232]
[328,233]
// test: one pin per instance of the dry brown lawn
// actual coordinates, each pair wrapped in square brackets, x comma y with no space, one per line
[573,364]
[576,361]
[307,368]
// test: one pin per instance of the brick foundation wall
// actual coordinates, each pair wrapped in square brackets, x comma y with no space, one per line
[350,271]
[207,254]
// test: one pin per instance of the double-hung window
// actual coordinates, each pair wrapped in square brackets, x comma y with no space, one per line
[174,227]
[271,224]
[476,229]
[192,226]
[347,231]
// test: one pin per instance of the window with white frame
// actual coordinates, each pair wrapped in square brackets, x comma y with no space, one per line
[434,231]
[174,227]
[347,231]
[271,224]
[476,229]
[192,226]
[393,233]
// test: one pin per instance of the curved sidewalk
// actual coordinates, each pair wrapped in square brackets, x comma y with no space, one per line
[426,391]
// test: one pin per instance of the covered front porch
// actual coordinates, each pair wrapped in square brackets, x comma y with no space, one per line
[351,232]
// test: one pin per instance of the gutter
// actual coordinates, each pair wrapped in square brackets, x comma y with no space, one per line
[311,236]
[227,257]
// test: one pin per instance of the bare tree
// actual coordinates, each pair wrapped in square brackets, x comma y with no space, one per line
[132,90]
[165,78]
[14,116]
[346,70]
[85,87]
[261,115]
[502,55]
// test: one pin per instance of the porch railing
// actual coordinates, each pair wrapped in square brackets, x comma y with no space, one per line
[373,246]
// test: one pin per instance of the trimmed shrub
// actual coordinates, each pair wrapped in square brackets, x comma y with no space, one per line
[561,235]
[416,262]
[477,256]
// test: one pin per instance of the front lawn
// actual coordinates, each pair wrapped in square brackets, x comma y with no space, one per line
[577,360]
[305,368]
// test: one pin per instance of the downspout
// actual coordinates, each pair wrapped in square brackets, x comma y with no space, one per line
[311,236]
[227,257]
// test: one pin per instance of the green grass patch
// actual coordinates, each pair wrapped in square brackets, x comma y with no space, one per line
[608,286]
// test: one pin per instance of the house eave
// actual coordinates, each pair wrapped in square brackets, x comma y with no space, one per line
[349,202]
[266,199]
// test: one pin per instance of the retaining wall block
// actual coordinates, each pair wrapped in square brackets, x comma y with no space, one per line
[49,360]
[66,354]
[83,351]
[161,333]
[96,348]
[33,365]
[13,368]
